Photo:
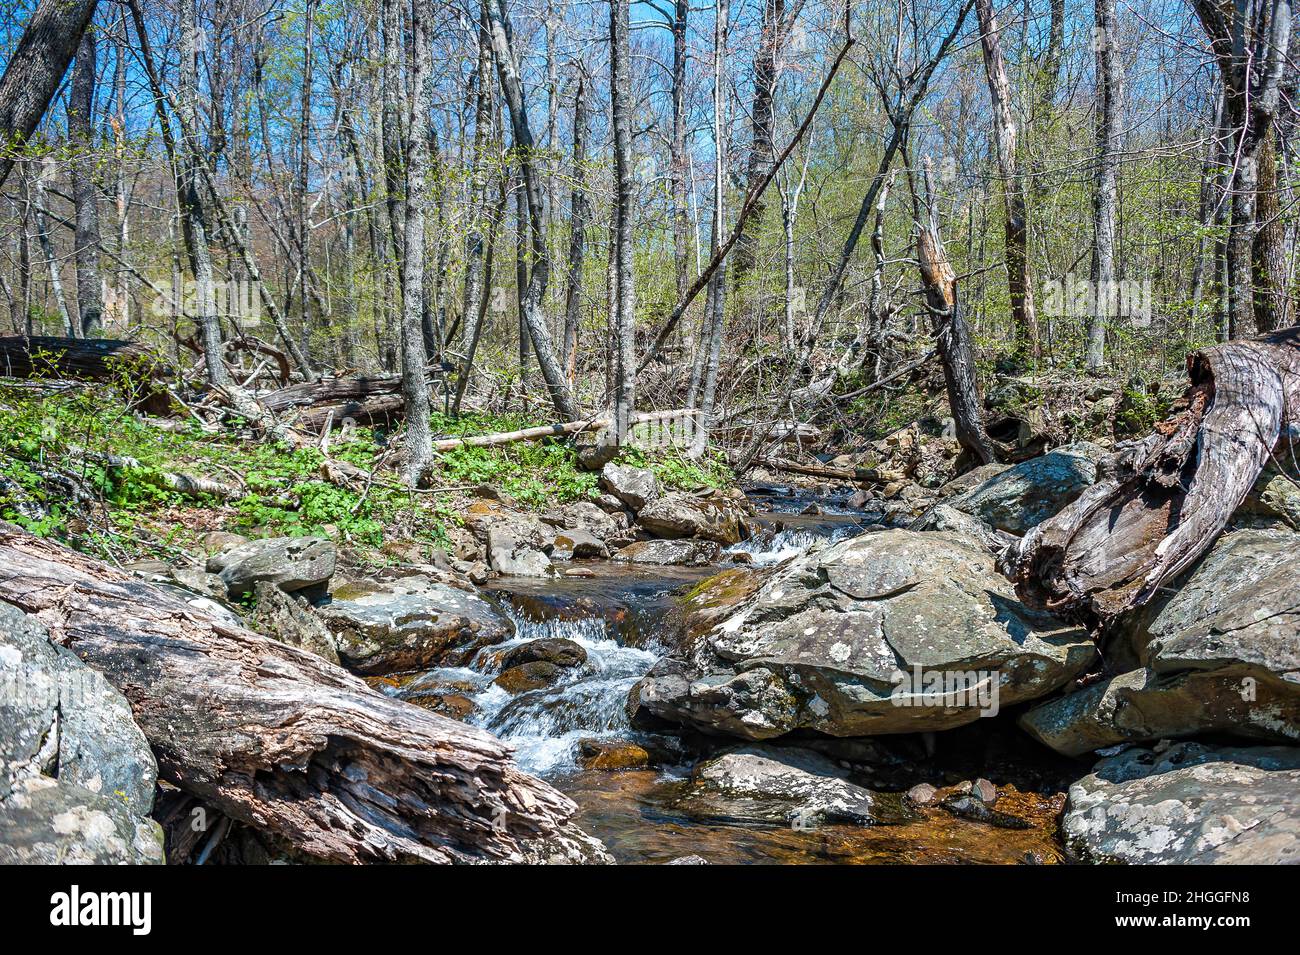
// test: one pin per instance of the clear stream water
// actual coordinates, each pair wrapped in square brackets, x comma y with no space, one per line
[625,616]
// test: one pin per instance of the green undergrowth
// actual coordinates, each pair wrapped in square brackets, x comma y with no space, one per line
[57,479]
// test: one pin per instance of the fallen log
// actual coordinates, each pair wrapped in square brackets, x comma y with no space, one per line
[93,359]
[1162,503]
[378,410]
[555,430]
[275,737]
[330,391]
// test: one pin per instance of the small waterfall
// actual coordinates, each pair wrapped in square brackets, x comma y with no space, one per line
[545,725]
[765,550]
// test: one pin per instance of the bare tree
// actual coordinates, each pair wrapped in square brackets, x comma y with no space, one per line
[1105,201]
[512,88]
[415,378]
[1019,275]
[1249,41]
[85,191]
[624,200]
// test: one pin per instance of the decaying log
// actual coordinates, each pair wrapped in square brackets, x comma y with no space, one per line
[1162,503]
[275,737]
[379,410]
[94,359]
[330,391]
[364,400]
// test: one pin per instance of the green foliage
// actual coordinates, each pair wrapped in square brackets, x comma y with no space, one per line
[675,471]
[1138,411]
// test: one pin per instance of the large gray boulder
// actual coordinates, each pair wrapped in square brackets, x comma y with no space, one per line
[45,821]
[685,515]
[786,786]
[77,777]
[1189,804]
[635,487]
[411,623]
[290,563]
[1142,706]
[836,640]
[1018,498]
[512,556]
[1219,652]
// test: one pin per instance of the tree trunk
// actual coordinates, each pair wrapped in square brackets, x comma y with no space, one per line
[36,68]
[512,88]
[952,334]
[625,200]
[1250,43]
[680,219]
[275,737]
[47,246]
[90,298]
[1105,201]
[714,318]
[579,215]
[1019,276]
[478,204]
[415,380]
[303,223]
[1163,501]
[1268,254]
[762,149]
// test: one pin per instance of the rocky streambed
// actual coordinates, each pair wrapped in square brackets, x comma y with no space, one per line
[780,677]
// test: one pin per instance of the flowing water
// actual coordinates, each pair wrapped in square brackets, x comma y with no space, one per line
[625,617]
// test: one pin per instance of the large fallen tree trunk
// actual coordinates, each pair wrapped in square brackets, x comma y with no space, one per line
[1160,505]
[275,737]
[364,400]
[330,391]
[92,359]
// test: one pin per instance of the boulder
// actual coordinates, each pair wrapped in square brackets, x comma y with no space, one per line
[1143,706]
[876,634]
[687,553]
[291,563]
[45,821]
[284,617]
[528,676]
[1276,494]
[1189,804]
[556,650]
[786,786]
[611,754]
[1218,652]
[512,556]
[1018,498]
[684,515]
[409,624]
[77,777]
[590,517]
[635,487]
[577,545]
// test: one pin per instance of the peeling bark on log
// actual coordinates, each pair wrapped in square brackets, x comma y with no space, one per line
[366,400]
[1162,503]
[275,737]
[330,391]
[93,359]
